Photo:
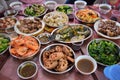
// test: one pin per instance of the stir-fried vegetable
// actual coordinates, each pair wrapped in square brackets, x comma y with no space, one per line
[65,8]
[34,10]
[3,43]
[104,52]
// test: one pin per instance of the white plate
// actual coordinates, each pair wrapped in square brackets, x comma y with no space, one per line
[74,41]
[29,34]
[103,35]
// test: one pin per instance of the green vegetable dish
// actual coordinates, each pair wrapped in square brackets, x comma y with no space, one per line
[105,52]
[4,43]
[35,10]
[65,8]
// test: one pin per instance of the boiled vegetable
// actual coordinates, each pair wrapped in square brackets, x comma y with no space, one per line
[104,52]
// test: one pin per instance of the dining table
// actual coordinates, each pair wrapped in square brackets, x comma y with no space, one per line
[9,64]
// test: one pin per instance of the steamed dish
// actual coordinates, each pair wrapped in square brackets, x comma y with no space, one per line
[55,19]
[72,33]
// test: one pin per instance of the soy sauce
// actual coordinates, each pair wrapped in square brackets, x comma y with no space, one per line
[85,65]
[27,70]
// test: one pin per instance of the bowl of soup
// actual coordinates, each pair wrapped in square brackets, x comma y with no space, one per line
[104,8]
[85,64]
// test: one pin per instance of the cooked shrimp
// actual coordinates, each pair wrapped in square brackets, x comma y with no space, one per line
[32,45]
[21,50]
[29,52]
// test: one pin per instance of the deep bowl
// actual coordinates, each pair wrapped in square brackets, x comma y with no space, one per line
[67,9]
[5,36]
[28,64]
[53,71]
[104,8]
[16,5]
[10,13]
[44,38]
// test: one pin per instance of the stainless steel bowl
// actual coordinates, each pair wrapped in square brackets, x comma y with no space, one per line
[101,55]
[22,65]
[10,13]
[53,71]
[7,37]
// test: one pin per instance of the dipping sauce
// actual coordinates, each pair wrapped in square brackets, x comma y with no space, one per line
[85,65]
[44,39]
[105,7]
[27,70]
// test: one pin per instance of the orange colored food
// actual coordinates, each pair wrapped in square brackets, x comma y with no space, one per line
[24,46]
[87,15]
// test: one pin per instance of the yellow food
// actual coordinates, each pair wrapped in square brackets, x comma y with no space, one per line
[87,15]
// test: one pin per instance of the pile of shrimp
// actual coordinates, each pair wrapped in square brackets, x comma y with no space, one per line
[58,58]
[24,46]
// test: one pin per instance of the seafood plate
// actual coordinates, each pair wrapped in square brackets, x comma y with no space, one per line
[55,19]
[72,33]
[57,58]
[87,15]
[29,26]
[24,47]
[108,28]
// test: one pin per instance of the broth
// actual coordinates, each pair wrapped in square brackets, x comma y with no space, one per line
[27,70]
[104,7]
[85,65]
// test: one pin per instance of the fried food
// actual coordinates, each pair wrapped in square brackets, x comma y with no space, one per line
[58,58]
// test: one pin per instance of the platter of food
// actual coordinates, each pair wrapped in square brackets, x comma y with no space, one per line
[24,47]
[67,9]
[29,26]
[4,43]
[108,28]
[104,51]
[87,15]
[72,33]
[7,22]
[35,10]
[57,58]
[55,19]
